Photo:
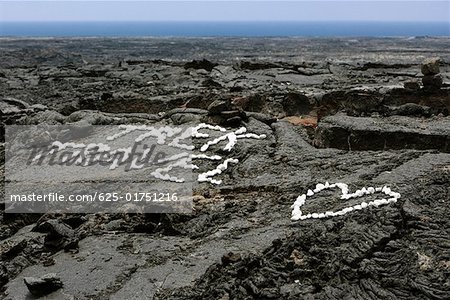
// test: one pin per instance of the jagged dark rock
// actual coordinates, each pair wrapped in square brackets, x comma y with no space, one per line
[412,85]
[200,64]
[43,285]
[432,81]
[410,109]
[430,66]
[59,235]
[218,106]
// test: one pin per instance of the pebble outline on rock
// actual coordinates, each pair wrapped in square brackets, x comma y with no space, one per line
[301,200]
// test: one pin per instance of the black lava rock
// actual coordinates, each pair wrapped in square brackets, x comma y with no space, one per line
[432,81]
[200,64]
[43,285]
[430,66]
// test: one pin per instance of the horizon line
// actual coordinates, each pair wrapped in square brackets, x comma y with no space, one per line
[224,21]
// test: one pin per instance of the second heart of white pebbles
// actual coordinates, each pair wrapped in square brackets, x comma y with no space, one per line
[297,213]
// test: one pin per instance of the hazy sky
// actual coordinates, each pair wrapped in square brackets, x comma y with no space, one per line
[250,10]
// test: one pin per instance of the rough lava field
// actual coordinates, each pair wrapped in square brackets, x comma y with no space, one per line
[359,111]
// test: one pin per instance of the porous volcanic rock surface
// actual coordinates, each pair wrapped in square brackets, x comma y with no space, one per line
[336,110]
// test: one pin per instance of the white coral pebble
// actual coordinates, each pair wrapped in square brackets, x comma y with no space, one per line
[300,200]
[296,217]
[347,209]
[341,185]
[296,211]
[319,187]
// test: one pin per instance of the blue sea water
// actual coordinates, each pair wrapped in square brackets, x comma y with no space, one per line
[196,29]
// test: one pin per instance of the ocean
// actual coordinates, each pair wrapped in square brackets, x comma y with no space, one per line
[215,29]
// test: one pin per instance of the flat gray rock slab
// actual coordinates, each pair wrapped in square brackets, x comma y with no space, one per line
[414,169]
[95,268]
[182,271]
[396,132]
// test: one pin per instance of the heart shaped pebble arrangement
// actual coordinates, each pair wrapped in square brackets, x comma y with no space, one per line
[297,213]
